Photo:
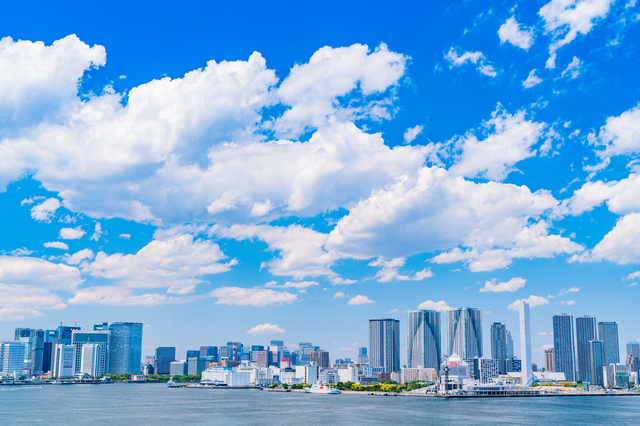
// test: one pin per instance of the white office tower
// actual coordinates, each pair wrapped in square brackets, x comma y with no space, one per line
[526,373]
[64,361]
[91,357]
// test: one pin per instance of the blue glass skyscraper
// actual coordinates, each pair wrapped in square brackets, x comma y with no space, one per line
[125,350]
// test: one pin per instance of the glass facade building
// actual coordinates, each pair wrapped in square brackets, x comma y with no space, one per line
[585,331]
[608,334]
[596,362]
[384,344]
[423,339]
[81,337]
[165,355]
[125,350]
[563,346]
[465,332]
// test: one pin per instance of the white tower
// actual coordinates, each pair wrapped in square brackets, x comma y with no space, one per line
[526,375]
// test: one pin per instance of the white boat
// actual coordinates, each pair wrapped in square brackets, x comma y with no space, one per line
[170,383]
[321,389]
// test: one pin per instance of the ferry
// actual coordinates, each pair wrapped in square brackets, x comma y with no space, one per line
[321,389]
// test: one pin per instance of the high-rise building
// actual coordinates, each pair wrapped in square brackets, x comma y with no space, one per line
[64,361]
[192,353]
[498,341]
[100,337]
[234,351]
[608,333]
[363,358]
[33,339]
[526,374]
[165,355]
[304,353]
[90,359]
[563,346]
[423,339]
[11,357]
[550,360]
[484,369]
[465,332]
[64,334]
[596,359]
[321,358]
[384,344]
[633,357]
[510,352]
[125,349]
[262,359]
[223,352]
[209,351]
[585,331]
[102,326]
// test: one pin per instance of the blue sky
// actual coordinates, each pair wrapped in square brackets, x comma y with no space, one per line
[211,169]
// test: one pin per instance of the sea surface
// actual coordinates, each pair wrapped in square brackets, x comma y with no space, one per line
[155,404]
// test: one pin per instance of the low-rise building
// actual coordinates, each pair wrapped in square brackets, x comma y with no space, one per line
[178,368]
[418,375]
[226,376]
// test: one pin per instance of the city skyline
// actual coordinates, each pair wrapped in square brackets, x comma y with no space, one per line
[362,161]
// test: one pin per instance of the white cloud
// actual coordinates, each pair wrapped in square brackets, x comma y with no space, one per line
[38,272]
[574,69]
[412,132]
[23,296]
[477,58]
[125,236]
[551,62]
[265,329]
[44,211]
[389,271]
[571,290]
[72,233]
[633,284]
[567,302]
[97,232]
[360,300]
[31,200]
[532,300]
[57,244]
[621,245]
[565,19]
[260,209]
[121,296]
[79,256]
[542,333]
[429,305]
[495,287]
[339,295]
[511,32]
[299,285]
[532,80]
[620,135]
[18,314]
[633,275]
[255,296]
[510,140]
[173,259]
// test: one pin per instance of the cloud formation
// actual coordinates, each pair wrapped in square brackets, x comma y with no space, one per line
[265,329]
[511,32]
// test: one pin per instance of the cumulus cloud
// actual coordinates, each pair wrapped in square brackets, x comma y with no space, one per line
[532,80]
[125,236]
[44,211]
[412,132]
[621,245]
[265,329]
[79,256]
[511,32]
[360,300]
[122,296]
[565,19]
[430,305]
[57,244]
[633,275]
[339,295]
[497,287]
[255,296]
[532,300]
[97,232]
[457,59]
[620,135]
[301,286]
[72,233]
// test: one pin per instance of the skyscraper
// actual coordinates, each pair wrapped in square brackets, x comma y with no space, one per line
[563,346]
[510,353]
[465,332]
[550,360]
[384,344]
[633,356]
[363,358]
[595,362]
[90,359]
[585,331]
[234,351]
[423,339]
[125,349]
[498,341]
[608,333]
[165,355]
[209,351]
[64,334]
[526,374]
[64,361]
[33,339]
[321,358]
[11,357]
[82,337]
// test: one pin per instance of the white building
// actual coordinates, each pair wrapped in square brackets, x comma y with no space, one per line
[308,373]
[91,359]
[615,375]
[226,376]
[329,376]
[525,345]
[418,375]
[349,374]
[485,368]
[11,357]
[64,361]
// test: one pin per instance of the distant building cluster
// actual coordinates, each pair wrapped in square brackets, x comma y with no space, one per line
[68,351]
